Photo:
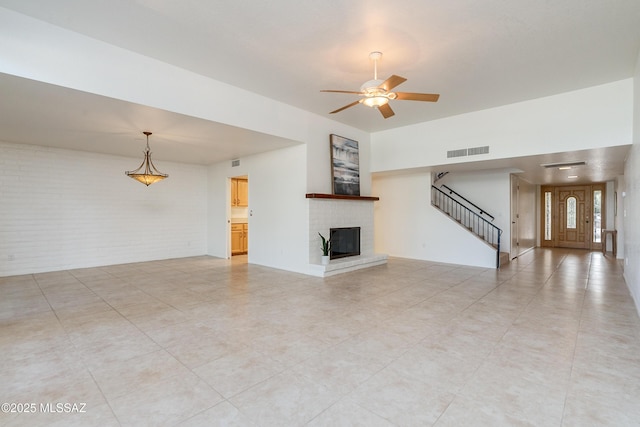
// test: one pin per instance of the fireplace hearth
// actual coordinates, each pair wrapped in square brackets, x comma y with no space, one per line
[345,242]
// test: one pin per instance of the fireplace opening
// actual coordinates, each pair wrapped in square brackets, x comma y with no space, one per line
[345,242]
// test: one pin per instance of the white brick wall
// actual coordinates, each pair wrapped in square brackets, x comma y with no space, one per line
[62,209]
[325,214]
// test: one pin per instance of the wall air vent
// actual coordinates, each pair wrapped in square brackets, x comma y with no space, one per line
[235,163]
[468,152]
[478,150]
[457,153]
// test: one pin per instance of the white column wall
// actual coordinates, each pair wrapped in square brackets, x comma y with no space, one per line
[631,202]
[278,219]
[65,209]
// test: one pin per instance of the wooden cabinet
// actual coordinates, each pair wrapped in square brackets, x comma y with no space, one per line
[239,238]
[239,192]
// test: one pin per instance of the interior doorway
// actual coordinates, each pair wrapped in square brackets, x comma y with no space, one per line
[573,216]
[239,217]
[523,216]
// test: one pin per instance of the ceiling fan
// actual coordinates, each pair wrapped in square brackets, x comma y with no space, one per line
[377,93]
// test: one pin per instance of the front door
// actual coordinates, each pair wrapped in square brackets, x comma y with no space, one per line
[573,208]
[572,216]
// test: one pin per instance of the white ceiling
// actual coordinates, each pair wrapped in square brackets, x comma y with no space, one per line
[476,54]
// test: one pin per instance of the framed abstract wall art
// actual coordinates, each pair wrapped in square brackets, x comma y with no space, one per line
[345,166]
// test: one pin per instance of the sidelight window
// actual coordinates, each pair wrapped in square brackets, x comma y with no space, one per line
[597,215]
[571,212]
[547,215]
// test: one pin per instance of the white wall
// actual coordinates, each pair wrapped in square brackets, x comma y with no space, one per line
[64,209]
[618,222]
[406,225]
[595,117]
[631,201]
[490,191]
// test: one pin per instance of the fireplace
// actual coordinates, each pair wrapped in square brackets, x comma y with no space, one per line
[345,242]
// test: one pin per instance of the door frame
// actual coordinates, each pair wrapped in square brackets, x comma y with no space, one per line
[229,187]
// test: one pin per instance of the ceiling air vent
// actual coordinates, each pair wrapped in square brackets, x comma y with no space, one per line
[235,163]
[562,165]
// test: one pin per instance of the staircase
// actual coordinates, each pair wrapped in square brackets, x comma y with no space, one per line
[476,222]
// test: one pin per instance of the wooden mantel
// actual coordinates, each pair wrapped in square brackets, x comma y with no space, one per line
[341,197]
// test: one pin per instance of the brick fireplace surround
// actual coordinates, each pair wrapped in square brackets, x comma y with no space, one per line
[328,211]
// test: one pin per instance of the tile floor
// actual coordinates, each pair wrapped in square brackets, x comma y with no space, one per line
[553,339]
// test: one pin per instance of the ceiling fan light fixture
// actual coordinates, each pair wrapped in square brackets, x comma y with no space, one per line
[147,172]
[375,101]
[377,93]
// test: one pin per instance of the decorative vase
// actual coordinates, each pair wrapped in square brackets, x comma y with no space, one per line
[325,259]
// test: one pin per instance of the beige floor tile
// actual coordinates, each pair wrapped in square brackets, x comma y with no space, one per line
[165,403]
[118,378]
[339,370]
[381,345]
[402,400]
[518,391]
[550,339]
[198,352]
[348,414]
[116,348]
[596,407]
[287,399]
[223,414]
[469,413]
[238,371]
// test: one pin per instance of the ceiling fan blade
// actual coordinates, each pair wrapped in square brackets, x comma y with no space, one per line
[407,96]
[392,82]
[342,91]
[386,111]
[345,107]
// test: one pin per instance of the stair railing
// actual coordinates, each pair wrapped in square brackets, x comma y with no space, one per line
[480,210]
[469,219]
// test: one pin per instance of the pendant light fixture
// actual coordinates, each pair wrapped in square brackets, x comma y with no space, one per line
[147,172]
